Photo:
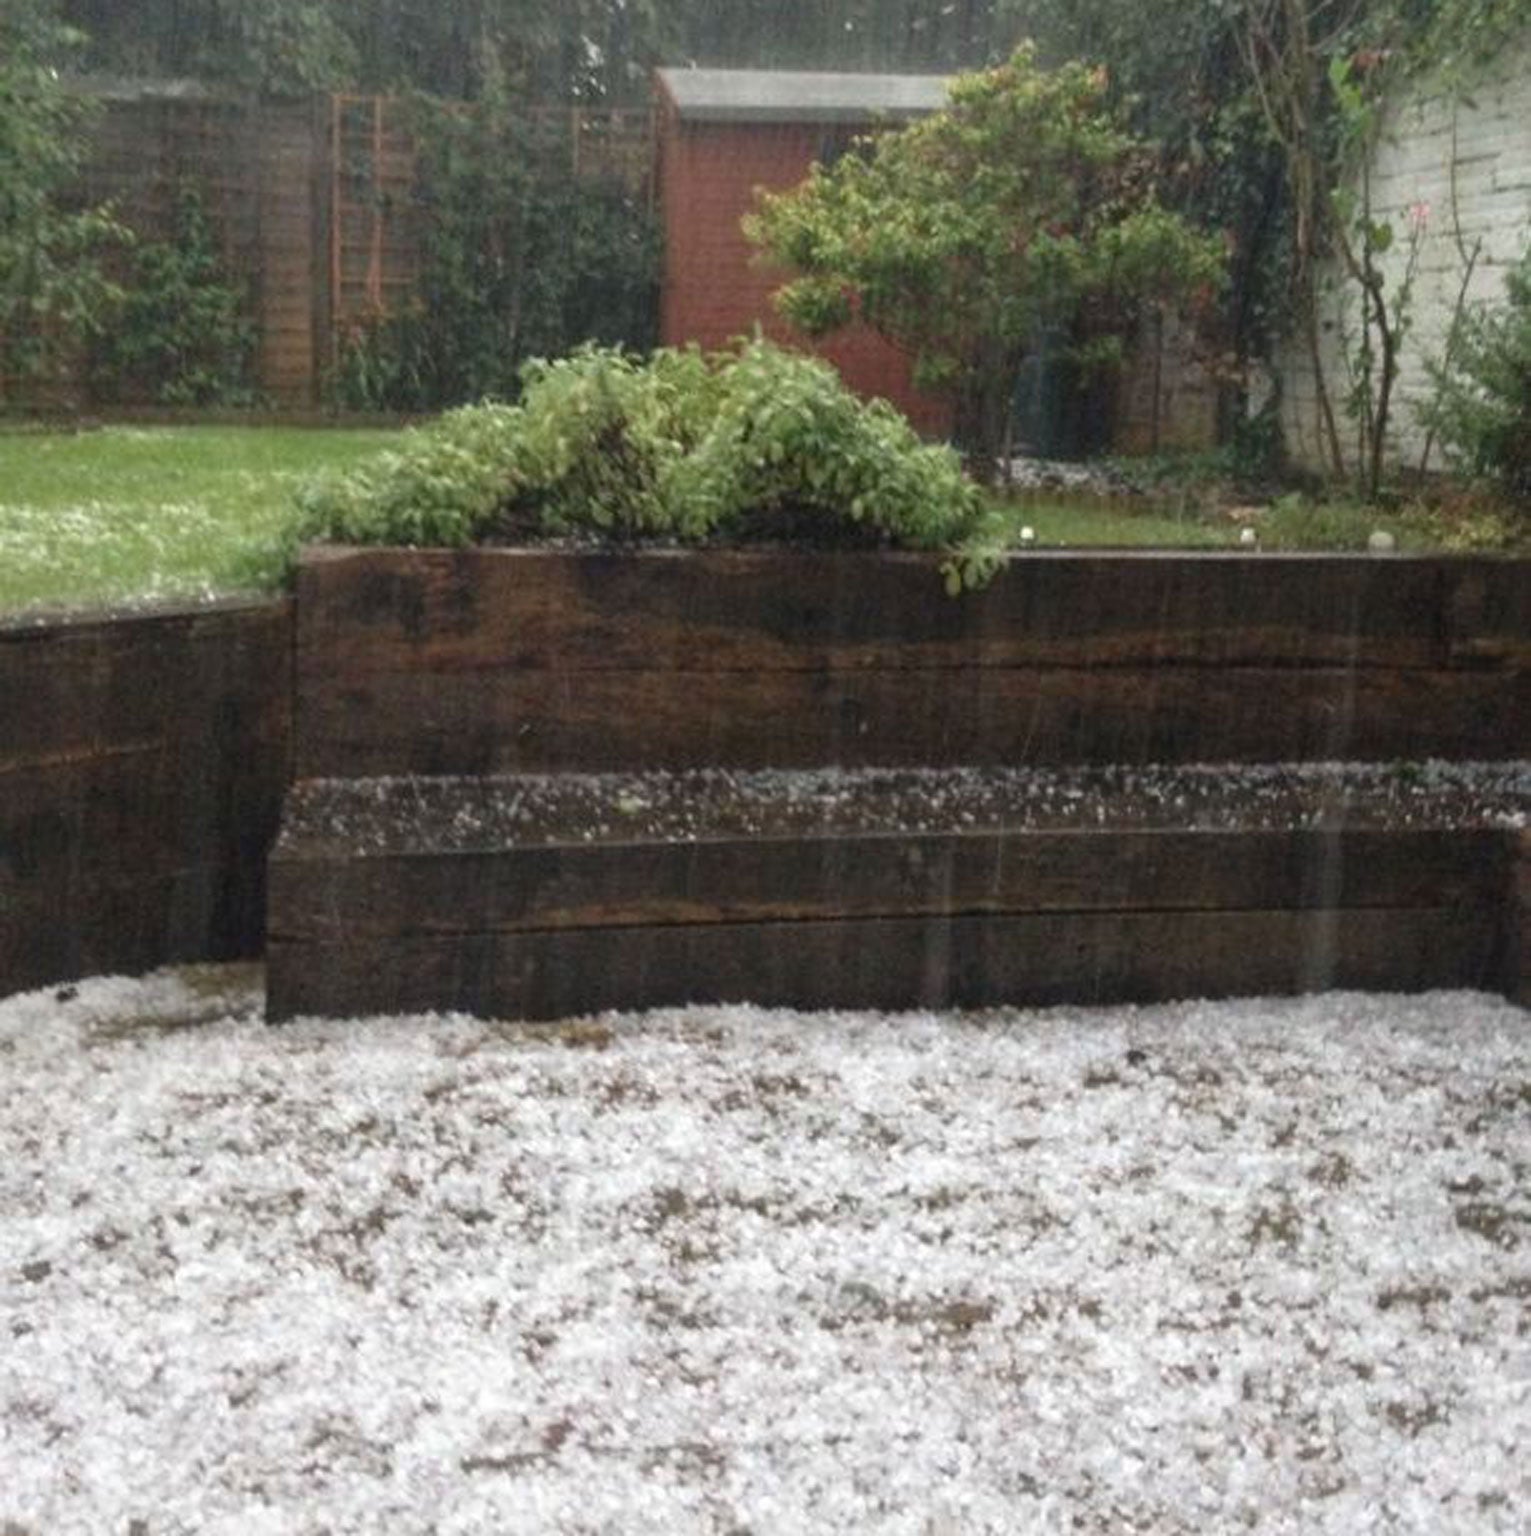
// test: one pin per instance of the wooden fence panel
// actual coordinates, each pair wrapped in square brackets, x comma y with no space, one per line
[289,161]
[314,204]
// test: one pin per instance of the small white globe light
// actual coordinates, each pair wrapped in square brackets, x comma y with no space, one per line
[1381,542]
[1249,538]
[1028,534]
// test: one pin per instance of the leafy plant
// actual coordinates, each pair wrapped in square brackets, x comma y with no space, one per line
[1321,72]
[444,486]
[1245,100]
[757,443]
[1024,203]
[1482,407]
[1363,241]
[791,451]
[183,335]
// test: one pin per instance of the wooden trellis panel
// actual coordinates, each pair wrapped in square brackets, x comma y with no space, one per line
[252,164]
[371,213]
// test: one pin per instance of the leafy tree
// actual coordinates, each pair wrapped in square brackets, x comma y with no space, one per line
[1022,204]
[895,35]
[576,49]
[52,290]
[274,45]
[1266,112]
[1183,87]
[1319,72]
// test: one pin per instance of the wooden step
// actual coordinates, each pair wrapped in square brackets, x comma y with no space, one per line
[541,896]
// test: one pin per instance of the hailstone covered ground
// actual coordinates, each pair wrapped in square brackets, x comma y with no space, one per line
[1253,1266]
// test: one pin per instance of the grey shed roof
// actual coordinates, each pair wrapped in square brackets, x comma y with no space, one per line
[799,96]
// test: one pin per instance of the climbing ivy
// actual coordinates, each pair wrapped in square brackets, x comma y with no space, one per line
[519,259]
[53,289]
[183,333]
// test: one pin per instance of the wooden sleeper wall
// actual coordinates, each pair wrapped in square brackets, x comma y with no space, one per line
[143,761]
[548,925]
[490,661]
[496,662]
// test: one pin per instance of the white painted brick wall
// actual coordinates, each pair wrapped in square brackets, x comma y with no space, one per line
[1468,158]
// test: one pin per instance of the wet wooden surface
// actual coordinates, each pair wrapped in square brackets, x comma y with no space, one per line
[542,926]
[1515,978]
[142,766]
[740,879]
[492,661]
[485,662]
[887,963]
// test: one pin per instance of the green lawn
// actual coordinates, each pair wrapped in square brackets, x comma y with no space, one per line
[1066,524]
[1289,523]
[128,514]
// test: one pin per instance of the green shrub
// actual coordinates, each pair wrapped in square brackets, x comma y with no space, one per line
[791,451]
[1482,408]
[1462,522]
[601,438]
[758,443]
[54,290]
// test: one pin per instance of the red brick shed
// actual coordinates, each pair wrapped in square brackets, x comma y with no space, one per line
[724,132]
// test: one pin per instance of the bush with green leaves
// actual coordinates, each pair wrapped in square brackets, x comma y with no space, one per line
[791,450]
[1025,203]
[444,486]
[1482,407]
[602,437]
[760,443]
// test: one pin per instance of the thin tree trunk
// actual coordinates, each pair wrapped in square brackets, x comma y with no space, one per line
[1303,95]
[1327,424]
[1274,43]
[1453,334]
[983,413]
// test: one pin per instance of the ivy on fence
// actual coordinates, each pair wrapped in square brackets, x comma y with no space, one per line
[518,259]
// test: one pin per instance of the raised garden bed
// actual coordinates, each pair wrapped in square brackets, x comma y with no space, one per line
[143,757]
[538,782]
